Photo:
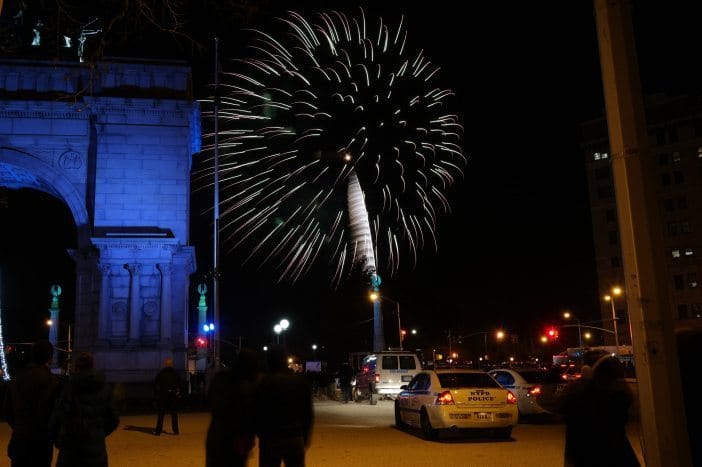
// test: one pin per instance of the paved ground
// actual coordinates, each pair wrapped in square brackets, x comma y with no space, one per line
[345,435]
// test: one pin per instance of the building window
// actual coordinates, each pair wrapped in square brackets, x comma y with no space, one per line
[699,152]
[673,228]
[696,310]
[679,282]
[682,311]
[675,253]
[698,128]
[610,215]
[669,204]
[600,156]
[665,179]
[660,137]
[692,280]
[676,157]
[613,237]
[605,192]
[682,202]
[663,159]
[678,177]
[685,227]
[673,135]
[689,252]
[602,173]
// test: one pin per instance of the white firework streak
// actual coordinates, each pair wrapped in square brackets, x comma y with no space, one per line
[330,122]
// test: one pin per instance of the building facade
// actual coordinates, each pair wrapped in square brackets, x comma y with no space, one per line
[675,170]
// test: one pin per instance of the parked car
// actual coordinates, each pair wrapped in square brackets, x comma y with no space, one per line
[537,390]
[451,399]
[383,373]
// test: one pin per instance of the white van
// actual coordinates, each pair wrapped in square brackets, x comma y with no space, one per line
[382,374]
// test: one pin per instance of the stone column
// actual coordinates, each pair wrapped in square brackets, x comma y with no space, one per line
[134,301]
[104,312]
[166,306]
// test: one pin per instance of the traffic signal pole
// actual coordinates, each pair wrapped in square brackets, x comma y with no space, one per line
[665,438]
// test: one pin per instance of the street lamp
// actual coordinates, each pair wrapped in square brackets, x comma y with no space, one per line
[616,291]
[568,315]
[52,325]
[279,328]
[375,296]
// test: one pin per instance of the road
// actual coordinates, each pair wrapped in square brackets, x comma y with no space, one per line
[345,435]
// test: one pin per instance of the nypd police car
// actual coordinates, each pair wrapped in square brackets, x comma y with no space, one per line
[453,399]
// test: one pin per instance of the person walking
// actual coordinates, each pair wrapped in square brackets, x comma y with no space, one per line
[231,434]
[167,390]
[27,407]
[84,416]
[285,414]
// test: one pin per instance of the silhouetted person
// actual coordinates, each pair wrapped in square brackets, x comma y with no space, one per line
[596,414]
[167,389]
[28,405]
[345,378]
[84,416]
[231,434]
[285,414]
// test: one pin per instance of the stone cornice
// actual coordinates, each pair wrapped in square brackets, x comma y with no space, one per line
[50,114]
[137,243]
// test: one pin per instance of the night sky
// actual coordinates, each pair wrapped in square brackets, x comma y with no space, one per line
[517,248]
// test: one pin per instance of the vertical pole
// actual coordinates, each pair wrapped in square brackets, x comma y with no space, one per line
[399,326]
[485,341]
[215,276]
[665,438]
[614,325]
[70,351]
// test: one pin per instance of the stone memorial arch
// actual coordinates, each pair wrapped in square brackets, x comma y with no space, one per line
[114,143]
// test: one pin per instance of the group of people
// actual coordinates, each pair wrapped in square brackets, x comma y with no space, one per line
[75,414]
[246,402]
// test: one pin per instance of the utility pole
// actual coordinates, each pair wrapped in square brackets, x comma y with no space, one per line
[665,438]
[215,275]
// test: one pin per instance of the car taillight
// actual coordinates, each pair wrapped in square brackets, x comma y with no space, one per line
[510,398]
[445,398]
[564,376]
[377,378]
[535,391]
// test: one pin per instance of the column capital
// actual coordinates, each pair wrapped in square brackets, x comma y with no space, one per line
[133,268]
[165,268]
[105,268]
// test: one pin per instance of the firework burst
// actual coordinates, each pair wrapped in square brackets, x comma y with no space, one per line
[334,144]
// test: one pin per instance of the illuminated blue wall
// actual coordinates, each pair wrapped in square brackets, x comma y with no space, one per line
[115,144]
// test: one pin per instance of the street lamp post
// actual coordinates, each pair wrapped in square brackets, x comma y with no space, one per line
[53,326]
[568,315]
[375,296]
[279,328]
[616,291]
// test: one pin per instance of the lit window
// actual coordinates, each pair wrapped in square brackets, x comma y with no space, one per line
[696,310]
[601,155]
[675,253]
[699,152]
[676,157]
[692,280]
[689,252]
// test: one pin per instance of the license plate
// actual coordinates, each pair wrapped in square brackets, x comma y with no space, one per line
[481,416]
[406,378]
[458,415]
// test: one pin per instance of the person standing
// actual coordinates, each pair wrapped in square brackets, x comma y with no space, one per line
[167,389]
[27,406]
[84,416]
[345,377]
[285,414]
[231,434]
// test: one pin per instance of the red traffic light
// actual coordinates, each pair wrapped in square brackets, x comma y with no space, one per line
[552,333]
[201,342]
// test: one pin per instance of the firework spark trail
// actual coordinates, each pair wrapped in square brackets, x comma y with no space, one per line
[329,122]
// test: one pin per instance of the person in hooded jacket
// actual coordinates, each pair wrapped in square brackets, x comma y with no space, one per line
[85,414]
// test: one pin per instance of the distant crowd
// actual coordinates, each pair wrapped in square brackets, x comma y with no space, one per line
[76,412]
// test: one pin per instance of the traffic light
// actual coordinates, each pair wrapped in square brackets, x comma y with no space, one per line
[201,342]
[552,333]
